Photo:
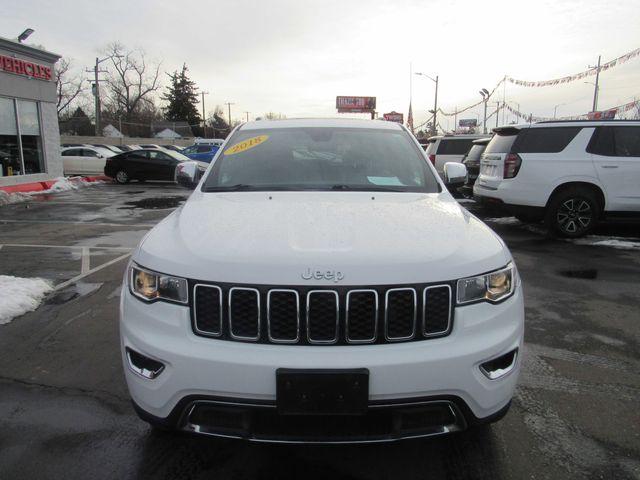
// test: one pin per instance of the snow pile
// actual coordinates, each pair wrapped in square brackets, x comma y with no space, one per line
[20,295]
[620,243]
[62,184]
[9,198]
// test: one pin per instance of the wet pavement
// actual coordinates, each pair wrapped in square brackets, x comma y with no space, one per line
[65,413]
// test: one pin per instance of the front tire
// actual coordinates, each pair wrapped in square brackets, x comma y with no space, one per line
[572,212]
[122,177]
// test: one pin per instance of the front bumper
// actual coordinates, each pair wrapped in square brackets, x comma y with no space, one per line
[204,371]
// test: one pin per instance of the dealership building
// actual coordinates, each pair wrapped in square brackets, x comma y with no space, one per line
[29,134]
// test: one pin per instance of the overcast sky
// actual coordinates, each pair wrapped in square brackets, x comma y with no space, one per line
[296,56]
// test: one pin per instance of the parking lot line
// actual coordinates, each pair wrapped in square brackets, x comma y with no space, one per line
[90,272]
[85,264]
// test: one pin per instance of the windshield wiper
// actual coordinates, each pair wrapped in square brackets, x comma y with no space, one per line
[365,188]
[238,187]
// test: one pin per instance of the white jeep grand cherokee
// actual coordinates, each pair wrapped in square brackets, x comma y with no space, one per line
[321,285]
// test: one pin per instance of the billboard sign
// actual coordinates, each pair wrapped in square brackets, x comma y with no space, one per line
[394,117]
[355,104]
[603,115]
[468,122]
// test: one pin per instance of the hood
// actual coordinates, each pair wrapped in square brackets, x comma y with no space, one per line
[321,238]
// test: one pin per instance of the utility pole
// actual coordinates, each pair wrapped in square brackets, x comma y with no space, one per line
[96,89]
[455,120]
[204,117]
[228,104]
[595,91]
[435,109]
[247,114]
[485,98]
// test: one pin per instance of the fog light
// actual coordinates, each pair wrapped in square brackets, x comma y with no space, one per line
[499,367]
[144,366]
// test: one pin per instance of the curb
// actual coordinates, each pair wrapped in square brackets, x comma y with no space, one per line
[47,184]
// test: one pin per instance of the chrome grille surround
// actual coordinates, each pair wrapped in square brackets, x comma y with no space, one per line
[377,314]
[424,312]
[389,292]
[244,337]
[207,333]
[322,341]
[271,337]
[306,315]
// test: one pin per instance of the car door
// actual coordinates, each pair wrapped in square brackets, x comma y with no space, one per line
[71,161]
[92,162]
[616,156]
[161,166]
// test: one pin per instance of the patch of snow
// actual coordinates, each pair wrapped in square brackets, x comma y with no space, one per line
[620,243]
[20,295]
[504,220]
[63,184]
[466,200]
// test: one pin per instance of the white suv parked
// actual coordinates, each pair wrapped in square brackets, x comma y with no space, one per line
[571,174]
[321,285]
[449,148]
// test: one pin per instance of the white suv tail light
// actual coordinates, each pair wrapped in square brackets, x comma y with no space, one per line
[512,164]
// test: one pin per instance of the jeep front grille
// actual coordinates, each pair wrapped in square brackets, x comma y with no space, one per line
[321,316]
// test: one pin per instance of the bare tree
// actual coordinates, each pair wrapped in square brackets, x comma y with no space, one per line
[68,87]
[130,81]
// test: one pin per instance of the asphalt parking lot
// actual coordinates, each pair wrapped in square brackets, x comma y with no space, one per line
[65,412]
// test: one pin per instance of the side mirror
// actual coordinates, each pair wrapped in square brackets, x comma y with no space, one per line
[188,175]
[455,174]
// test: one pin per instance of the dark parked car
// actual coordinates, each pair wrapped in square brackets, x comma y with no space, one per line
[472,161]
[146,164]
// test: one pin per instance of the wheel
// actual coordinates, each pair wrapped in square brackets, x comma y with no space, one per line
[572,212]
[122,177]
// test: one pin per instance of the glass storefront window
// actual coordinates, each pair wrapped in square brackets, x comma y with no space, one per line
[20,129]
[29,122]
[9,147]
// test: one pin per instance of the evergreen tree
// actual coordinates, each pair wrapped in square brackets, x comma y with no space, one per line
[181,98]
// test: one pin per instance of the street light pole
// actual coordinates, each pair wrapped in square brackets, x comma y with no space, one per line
[497,113]
[247,114]
[596,89]
[434,127]
[485,98]
[555,109]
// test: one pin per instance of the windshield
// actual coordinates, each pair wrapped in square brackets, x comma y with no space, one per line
[322,159]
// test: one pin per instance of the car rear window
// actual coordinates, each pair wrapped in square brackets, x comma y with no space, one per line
[502,141]
[616,142]
[327,158]
[475,153]
[545,140]
[450,146]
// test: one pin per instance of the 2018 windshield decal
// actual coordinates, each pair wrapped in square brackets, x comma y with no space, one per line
[332,275]
[247,144]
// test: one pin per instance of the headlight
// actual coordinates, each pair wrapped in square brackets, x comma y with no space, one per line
[151,286]
[492,287]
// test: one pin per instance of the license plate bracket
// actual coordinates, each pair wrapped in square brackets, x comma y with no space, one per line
[322,391]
